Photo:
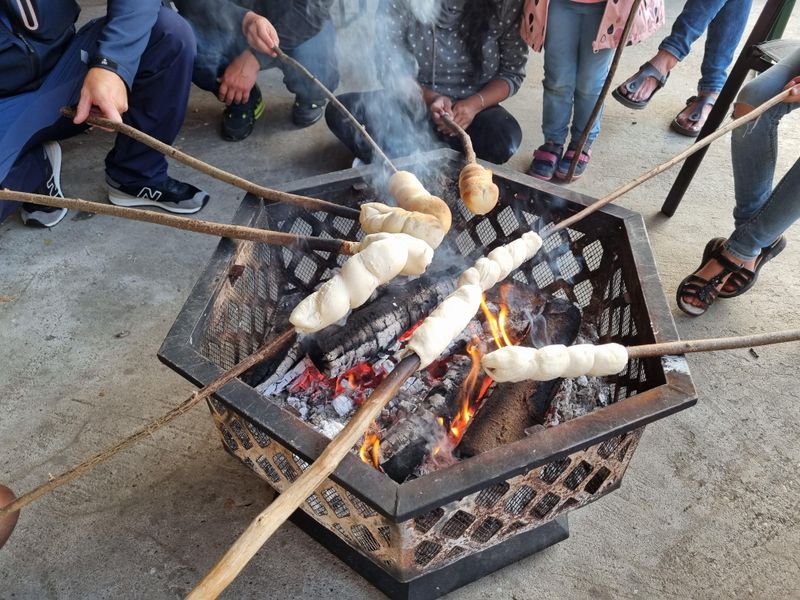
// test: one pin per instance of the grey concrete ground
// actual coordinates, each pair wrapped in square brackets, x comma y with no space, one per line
[710,505]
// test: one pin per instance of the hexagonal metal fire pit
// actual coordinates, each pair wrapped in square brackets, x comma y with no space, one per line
[427,536]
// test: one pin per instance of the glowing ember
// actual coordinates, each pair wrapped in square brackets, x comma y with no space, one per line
[358,378]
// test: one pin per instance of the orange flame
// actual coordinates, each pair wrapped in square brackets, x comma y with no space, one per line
[370,451]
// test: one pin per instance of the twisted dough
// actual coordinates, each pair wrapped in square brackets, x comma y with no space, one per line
[519,363]
[477,189]
[446,321]
[420,254]
[377,217]
[412,195]
[501,261]
[361,274]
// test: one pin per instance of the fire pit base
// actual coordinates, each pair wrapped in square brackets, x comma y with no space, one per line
[441,581]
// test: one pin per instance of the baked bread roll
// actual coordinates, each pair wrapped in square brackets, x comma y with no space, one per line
[420,254]
[446,321]
[477,189]
[520,363]
[377,217]
[360,276]
[412,195]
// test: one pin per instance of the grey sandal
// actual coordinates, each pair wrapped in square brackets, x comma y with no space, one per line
[697,118]
[622,92]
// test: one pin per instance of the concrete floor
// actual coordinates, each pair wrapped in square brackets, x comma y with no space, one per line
[710,505]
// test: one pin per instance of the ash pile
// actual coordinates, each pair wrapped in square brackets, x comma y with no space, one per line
[451,410]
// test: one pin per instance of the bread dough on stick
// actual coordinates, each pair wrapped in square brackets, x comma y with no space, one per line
[377,217]
[520,363]
[420,254]
[501,261]
[412,195]
[446,321]
[360,276]
[477,189]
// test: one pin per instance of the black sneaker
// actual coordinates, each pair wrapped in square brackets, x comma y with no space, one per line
[305,113]
[36,215]
[238,120]
[172,195]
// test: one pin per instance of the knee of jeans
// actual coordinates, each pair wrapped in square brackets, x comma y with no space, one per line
[174,35]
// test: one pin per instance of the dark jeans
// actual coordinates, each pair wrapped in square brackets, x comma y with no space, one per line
[402,126]
[725,21]
[156,105]
[216,49]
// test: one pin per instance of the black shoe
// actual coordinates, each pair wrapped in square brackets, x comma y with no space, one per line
[36,215]
[172,195]
[238,120]
[305,113]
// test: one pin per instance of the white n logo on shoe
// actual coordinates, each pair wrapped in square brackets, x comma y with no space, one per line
[149,194]
[52,190]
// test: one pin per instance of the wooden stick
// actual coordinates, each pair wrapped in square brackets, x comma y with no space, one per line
[466,141]
[89,464]
[623,40]
[714,344]
[237,232]
[216,172]
[755,113]
[266,523]
[337,103]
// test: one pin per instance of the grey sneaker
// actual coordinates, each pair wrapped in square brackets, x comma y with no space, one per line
[172,195]
[37,215]
[307,112]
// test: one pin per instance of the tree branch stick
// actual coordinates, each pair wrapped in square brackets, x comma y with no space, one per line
[237,232]
[623,40]
[466,141]
[341,107]
[266,523]
[89,464]
[216,172]
[755,113]
[713,344]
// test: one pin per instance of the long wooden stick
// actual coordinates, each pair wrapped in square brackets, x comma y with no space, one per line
[714,344]
[337,103]
[89,464]
[595,206]
[266,523]
[237,232]
[598,106]
[216,172]
[466,141]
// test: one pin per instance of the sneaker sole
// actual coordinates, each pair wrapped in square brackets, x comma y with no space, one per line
[43,220]
[119,198]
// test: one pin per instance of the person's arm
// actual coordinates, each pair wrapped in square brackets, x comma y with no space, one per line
[113,65]
[301,21]
[221,15]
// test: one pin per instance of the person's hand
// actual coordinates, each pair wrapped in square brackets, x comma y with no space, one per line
[260,33]
[103,93]
[441,106]
[239,78]
[794,85]
[464,111]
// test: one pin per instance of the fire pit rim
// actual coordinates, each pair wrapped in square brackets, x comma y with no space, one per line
[403,501]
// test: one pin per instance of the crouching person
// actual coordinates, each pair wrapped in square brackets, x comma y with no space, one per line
[236,41]
[132,65]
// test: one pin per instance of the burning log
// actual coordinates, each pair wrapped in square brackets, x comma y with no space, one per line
[378,325]
[510,408]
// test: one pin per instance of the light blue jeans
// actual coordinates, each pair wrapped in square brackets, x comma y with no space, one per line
[573,72]
[762,213]
[725,21]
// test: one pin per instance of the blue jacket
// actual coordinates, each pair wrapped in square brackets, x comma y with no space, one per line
[35,33]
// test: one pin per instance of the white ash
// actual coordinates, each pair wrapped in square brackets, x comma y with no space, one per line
[677,364]
[342,404]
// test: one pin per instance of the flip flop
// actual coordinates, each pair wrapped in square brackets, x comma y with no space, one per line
[645,71]
[698,116]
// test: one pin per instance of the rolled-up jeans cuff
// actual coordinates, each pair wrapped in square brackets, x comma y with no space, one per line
[736,250]
[669,47]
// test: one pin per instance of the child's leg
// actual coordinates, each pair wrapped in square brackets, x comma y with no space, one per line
[560,58]
[592,69]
